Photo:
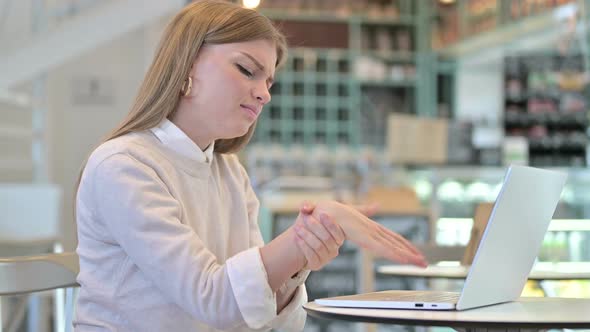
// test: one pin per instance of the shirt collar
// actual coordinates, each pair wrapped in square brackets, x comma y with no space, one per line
[174,138]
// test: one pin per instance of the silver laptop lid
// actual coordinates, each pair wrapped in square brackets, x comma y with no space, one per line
[513,236]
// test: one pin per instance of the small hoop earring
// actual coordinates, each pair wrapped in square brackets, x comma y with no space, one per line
[187,86]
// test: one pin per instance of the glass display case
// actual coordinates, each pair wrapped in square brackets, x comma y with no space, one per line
[452,193]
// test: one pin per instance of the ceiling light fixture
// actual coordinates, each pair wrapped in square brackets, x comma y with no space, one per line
[250,3]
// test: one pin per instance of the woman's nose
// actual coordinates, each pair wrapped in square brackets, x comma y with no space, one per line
[262,94]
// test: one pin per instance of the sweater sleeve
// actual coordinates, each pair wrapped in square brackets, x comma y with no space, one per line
[145,220]
[253,205]
[293,316]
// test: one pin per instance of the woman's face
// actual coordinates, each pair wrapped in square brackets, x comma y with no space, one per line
[231,84]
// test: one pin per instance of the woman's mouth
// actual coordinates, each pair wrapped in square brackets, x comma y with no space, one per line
[251,110]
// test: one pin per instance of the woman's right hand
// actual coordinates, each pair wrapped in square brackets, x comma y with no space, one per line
[319,239]
[370,235]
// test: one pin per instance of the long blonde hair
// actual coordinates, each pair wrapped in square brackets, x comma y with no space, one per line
[200,23]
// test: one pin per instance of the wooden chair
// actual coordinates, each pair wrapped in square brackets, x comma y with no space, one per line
[480,221]
[401,200]
[465,254]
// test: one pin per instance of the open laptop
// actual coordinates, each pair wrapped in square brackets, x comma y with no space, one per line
[507,251]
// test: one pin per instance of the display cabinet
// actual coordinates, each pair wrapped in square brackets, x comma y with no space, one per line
[351,64]
[546,101]
[452,193]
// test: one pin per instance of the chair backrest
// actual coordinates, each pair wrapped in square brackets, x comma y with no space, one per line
[27,274]
[29,212]
[480,221]
[436,253]
[395,200]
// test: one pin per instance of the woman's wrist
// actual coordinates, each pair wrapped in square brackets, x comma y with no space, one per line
[301,261]
[282,258]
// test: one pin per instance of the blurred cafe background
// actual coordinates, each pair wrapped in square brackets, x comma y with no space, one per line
[416,105]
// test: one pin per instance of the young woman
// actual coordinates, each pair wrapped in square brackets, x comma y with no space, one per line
[167,219]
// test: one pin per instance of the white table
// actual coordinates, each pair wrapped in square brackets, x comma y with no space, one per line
[541,271]
[525,313]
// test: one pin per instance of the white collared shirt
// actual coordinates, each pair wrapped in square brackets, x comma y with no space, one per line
[172,136]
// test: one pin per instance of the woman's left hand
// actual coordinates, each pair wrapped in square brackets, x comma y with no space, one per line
[368,209]
[369,234]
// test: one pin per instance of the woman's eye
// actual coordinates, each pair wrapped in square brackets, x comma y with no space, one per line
[245,71]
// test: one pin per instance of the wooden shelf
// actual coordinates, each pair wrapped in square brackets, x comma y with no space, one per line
[323,16]
[388,83]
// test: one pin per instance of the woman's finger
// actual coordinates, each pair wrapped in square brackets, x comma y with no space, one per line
[394,250]
[311,239]
[397,238]
[335,231]
[307,207]
[399,254]
[323,234]
[402,251]
[383,248]
[313,260]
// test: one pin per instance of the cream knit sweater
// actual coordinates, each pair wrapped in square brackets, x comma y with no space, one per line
[170,243]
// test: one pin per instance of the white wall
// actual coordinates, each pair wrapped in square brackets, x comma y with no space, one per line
[75,127]
[15,24]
